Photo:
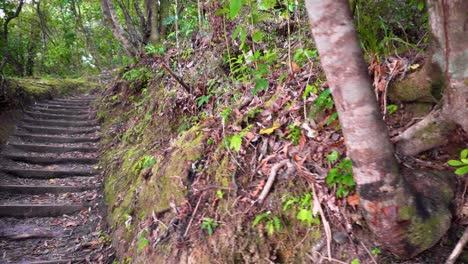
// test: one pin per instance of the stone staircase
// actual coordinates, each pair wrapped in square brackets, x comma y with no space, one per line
[50,186]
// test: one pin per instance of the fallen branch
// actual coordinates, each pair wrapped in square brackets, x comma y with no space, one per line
[177,78]
[326,224]
[271,178]
[458,248]
[193,215]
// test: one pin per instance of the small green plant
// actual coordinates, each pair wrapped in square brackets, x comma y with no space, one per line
[294,133]
[324,102]
[142,241]
[462,163]
[376,251]
[341,176]
[272,222]
[235,142]
[142,74]
[303,55]
[391,108]
[204,99]
[151,49]
[355,261]
[145,162]
[303,206]
[220,194]
[210,141]
[209,224]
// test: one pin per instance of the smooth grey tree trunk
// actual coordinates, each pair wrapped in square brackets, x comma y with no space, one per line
[449,25]
[406,210]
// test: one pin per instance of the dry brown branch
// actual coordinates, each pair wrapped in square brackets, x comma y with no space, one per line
[177,78]
[272,177]
[193,215]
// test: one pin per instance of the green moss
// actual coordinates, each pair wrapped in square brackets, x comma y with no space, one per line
[423,232]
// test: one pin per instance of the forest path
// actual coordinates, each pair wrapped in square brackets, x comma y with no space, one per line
[50,186]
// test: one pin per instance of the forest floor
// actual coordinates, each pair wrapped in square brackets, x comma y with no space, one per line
[186,172]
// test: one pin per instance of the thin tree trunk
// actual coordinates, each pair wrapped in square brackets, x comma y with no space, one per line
[152,11]
[397,208]
[4,36]
[112,21]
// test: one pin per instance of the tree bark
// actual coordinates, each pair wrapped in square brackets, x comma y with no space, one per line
[400,207]
[152,11]
[119,33]
[449,25]
[4,35]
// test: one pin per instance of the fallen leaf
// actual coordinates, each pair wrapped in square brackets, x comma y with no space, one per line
[270,130]
[353,200]
[295,68]
[71,224]
[413,67]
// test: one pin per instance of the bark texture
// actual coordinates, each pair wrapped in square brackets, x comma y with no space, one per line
[398,210]
[449,26]
[110,16]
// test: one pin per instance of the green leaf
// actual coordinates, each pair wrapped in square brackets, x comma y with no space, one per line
[333,156]
[259,218]
[464,154]
[355,261]
[305,215]
[234,8]
[464,161]
[267,4]
[420,5]
[270,228]
[455,163]
[462,171]
[236,142]
[236,32]
[143,243]
[276,223]
[259,84]
[257,36]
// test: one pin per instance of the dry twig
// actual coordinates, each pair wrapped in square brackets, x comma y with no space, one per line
[458,248]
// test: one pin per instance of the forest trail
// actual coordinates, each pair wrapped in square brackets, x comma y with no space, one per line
[50,186]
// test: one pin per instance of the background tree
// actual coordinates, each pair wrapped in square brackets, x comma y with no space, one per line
[406,210]
[9,10]
[141,27]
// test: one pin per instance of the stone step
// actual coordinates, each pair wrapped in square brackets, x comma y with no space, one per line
[57,130]
[47,160]
[55,123]
[42,189]
[54,139]
[58,261]
[51,148]
[39,210]
[69,102]
[59,117]
[48,174]
[60,111]
[62,106]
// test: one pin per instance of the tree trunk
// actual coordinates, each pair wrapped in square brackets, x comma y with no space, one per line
[4,35]
[400,207]
[152,18]
[119,33]
[449,25]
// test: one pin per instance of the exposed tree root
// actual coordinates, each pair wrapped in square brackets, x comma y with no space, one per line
[431,132]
